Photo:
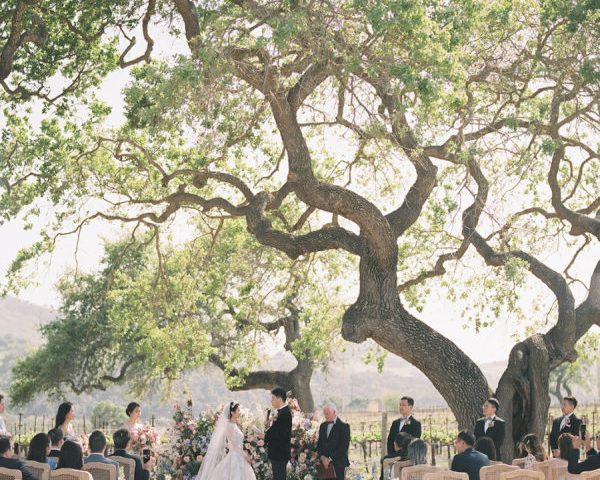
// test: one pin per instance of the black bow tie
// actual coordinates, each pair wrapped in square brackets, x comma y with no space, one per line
[330,423]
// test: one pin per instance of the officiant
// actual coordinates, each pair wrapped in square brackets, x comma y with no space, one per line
[333,444]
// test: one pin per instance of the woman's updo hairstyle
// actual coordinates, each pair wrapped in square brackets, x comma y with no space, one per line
[233,406]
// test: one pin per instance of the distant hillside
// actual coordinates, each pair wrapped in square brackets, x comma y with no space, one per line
[347,379]
[21,319]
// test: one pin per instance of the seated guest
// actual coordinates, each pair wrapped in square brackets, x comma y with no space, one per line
[71,456]
[122,441]
[532,450]
[565,445]
[491,425]
[401,443]
[56,442]
[8,461]
[486,446]
[592,462]
[467,459]
[97,444]
[417,452]
[39,448]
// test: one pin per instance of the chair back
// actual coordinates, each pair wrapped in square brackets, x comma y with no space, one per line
[128,466]
[542,467]
[493,472]
[397,469]
[387,467]
[69,474]
[446,475]
[591,475]
[416,472]
[522,474]
[10,474]
[101,471]
[518,462]
[41,471]
[557,469]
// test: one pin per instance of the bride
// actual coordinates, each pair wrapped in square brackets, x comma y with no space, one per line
[235,465]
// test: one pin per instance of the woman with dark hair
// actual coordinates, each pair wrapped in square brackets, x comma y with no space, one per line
[71,456]
[565,445]
[486,445]
[39,448]
[532,450]
[133,412]
[64,419]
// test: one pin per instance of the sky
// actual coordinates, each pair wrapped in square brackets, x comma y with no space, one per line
[490,345]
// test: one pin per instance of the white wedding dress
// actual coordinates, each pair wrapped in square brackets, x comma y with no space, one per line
[234,466]
[230,466]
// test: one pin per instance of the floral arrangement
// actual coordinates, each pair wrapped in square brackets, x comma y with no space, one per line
[144,437]
[190,437]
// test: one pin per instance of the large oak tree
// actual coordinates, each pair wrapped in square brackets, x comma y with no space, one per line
[413,135]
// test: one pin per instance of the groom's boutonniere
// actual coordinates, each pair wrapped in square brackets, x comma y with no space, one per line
[407,421]
[491,424]
[275,415]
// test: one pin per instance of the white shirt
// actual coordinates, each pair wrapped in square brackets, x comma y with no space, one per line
[402,422]
[330,426]
[488,420]
[564,420]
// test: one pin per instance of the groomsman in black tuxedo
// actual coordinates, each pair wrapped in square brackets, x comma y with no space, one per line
[406,423]
[333,442]
[568,423]
[490,425]
[278,435]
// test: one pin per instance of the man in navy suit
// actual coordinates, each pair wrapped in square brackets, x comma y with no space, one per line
[333,442]
[568,423]
[406,423]
[467,459]
[8,461]
[490,425]
[122,441]
[97,443]
[278,435]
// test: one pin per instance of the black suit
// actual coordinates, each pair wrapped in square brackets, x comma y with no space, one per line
[592,462]
[55,452]
[140,472]
[17,464]
[412,426]
[335,446]
[279,440]
[470,461]
[572,428]
[496,432]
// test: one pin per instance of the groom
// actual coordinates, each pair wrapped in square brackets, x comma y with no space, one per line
[278,435]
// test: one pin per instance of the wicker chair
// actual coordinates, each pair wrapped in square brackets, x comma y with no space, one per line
[397,469]
[557,469]
[592,475]
[69,474]
[542,467]
[41,471]
[101,471]
[387,466]
[518,462]
[446,475]
[128,466]
[416,472]
[493,472]
[521,474]
[10,474]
